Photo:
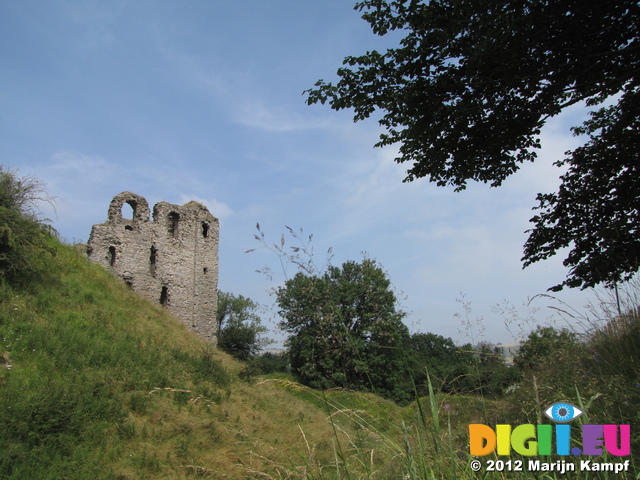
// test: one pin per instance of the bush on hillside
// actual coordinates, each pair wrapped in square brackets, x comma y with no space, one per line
[240,330]
[25,240]
[21,194]
[435,354]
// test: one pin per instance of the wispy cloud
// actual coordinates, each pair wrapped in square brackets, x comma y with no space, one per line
[245,96]
[65,163]
[258,113]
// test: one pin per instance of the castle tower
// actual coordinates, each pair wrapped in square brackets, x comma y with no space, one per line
[172,260]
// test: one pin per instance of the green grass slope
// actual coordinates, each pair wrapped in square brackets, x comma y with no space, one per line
[96,382]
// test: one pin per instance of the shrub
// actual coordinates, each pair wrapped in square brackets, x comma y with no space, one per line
[26,242]
[240,328]
[21,194]
[270,363]
[613,363]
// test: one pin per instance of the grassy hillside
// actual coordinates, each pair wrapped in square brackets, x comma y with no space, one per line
[96,382]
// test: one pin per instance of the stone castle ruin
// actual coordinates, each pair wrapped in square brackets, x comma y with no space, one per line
[172,260]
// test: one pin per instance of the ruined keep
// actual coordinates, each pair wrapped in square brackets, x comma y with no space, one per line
[172,260]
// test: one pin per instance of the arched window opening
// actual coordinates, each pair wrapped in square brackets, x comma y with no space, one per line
[205,229]
[128,227]
[164,297]
[153,260]
[129,213]
[174,218]
[205,270]
[111,256]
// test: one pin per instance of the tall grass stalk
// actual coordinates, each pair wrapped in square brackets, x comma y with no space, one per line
[451,450]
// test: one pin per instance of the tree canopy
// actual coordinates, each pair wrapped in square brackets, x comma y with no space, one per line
[469,88]
[540,344]
[345,331]
[240,330]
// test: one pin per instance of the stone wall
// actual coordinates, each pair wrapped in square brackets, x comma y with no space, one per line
[172,260]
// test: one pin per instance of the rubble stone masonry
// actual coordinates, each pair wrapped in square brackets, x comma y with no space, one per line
[172,260]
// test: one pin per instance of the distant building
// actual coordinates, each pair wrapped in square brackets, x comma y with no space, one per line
[508,351]
[172,260]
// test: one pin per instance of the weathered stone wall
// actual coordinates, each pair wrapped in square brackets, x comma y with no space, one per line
[172,260]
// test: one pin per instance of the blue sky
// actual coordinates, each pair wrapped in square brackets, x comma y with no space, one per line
[202,100]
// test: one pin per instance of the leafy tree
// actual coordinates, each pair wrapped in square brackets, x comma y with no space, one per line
[269,362]
[597,208]
[540,344]
[345,331]
[494,377]
[239,326]
[435,353]
[469,88]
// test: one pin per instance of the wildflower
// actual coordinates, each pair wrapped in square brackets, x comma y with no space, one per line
[447,407]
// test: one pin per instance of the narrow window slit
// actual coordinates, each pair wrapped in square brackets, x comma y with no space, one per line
[112,256]
[164,297]
[173,224]
[153,257]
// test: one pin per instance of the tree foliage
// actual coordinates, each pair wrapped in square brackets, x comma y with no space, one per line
[597,208]
[240,331]
[436,354]
[345,331]
[461,369]
[540,344]
[470,86]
